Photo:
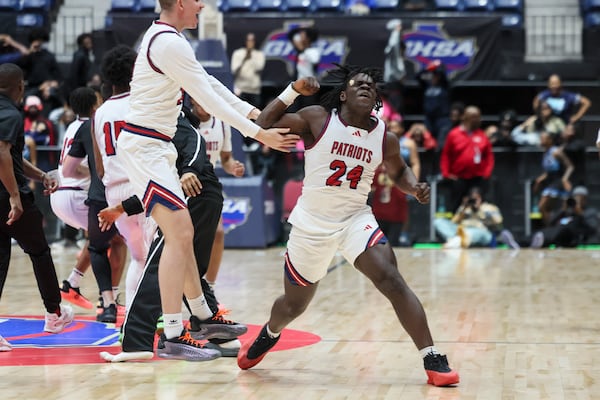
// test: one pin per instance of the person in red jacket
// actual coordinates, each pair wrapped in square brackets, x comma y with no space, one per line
[467,159]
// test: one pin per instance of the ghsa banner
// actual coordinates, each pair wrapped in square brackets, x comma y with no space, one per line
[427,42]
[277,46]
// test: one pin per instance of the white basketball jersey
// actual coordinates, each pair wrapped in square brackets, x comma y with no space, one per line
[217,136]
[339,169]
[66,146]
[109,119]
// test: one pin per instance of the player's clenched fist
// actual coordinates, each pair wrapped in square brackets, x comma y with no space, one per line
[423,192]
[306,86]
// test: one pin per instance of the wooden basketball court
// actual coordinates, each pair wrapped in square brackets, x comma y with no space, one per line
[518,325]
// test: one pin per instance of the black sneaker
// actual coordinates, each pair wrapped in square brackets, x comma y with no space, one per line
[74,296]
[216,327]
[108,314]
[184,347]
[251,353]
[438,371]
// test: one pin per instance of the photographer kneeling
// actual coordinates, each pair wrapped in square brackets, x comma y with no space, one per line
[474,223]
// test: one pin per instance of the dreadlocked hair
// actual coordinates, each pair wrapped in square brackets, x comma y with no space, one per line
[339,78]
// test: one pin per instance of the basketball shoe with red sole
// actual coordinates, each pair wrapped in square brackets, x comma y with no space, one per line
[438,371]
[253,351]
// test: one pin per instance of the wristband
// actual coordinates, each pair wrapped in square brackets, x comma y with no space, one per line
[289,94]
[132,206]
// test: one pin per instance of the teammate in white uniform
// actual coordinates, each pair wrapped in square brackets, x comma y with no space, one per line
[165,65]
[117,67]
[68,204]
[344,145]
[217,136]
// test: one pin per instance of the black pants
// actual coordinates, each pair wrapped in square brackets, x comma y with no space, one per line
[140,323]
[98,247]
[28,231]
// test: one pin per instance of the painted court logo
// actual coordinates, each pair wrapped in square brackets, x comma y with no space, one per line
[333,49]
[236,211]
[428,41]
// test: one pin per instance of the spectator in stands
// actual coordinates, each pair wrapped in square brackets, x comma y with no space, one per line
[306,61]
[11,50]
[475,222]
[574,149]
[467,159]
[247,64]
[554,182]
[36,126]
[436,99]
[415,5]
[389,205]
[422,137]
[569,106]
[501,135]
[42,73]
[83,68]
[528,133]
[569,228]
[394,69]
[590,214]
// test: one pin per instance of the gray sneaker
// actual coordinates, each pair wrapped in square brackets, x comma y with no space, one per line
[216,327]
[537,241]
[508,239]
[184,347]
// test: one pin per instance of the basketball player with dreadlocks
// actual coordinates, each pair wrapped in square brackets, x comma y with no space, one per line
[344,144]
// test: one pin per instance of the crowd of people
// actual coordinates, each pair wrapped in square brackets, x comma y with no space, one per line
[362,171]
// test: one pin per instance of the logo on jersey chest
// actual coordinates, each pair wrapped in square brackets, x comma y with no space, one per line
[352,151]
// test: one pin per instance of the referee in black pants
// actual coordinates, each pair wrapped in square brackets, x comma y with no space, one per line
[20,218]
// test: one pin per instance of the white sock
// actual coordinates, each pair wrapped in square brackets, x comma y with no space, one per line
[426,350]
[115,291]
[199,307]
[212,285]
[75,278]
[173,325]
[272,335]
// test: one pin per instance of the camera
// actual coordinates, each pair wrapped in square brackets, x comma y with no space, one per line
[471,202]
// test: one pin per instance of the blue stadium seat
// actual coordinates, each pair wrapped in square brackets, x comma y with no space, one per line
[35,5]
[10,5]
[512,20]
[147,5]
[269,5]
[329,5]
[237,5]
[124,5]
[30,20]
[448,5]
[299,5]
[384,5]
[509,5]
[592,19]
[590,5]
[478,5]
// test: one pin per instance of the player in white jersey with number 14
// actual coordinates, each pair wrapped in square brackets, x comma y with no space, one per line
[345,143]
